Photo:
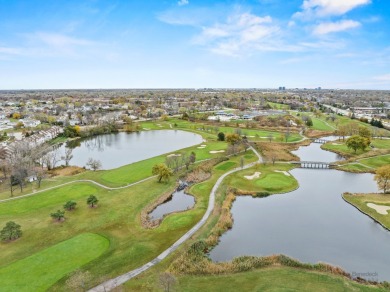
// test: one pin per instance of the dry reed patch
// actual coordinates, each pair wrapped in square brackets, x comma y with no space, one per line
[67,171]
[317,134]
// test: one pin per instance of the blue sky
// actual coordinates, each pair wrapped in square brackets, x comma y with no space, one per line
[194,44]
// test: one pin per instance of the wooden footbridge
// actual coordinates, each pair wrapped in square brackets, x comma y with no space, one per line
[319,140]
[314,164]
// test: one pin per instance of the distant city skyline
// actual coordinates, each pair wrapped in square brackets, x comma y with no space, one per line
[195,44]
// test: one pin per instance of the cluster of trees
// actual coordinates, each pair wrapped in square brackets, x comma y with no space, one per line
[11,231]
[177,161]
[382,177]
[59,215]
[357,142]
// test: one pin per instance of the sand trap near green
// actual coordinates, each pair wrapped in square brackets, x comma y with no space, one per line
[41,270]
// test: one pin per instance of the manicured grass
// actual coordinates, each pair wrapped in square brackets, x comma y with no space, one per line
[117,217]
[342,149]
[41,270]
[226,165]
[361,201]
[269,180]
[355,167]
[376,161]
[268,279]
[320,125]
[272,279]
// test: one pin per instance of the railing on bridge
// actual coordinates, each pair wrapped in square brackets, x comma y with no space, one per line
[314,164]
[319,140]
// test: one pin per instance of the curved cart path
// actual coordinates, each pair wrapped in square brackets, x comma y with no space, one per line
[115,282]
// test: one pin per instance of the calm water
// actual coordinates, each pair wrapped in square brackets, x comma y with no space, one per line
[180,201]
[115,150]
[311,224]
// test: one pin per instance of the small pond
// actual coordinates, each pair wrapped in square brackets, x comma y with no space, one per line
[115,150]
[180,201]
[311,224]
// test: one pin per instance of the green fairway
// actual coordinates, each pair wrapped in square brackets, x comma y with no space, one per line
[361,201]
[321,125]
[376,161]
[269,180]
[355,167]
[226,165]
[41,270]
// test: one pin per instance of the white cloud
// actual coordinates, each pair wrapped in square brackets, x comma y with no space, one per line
[323,8]
[241,31]
[182,2]
[59,40]
[338,26]
[385,77]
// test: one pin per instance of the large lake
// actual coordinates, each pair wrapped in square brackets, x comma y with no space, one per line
[311,224]
[115,150]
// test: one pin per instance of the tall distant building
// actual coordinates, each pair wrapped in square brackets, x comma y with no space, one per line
[282,88]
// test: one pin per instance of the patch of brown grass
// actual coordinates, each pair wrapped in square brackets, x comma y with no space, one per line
[66,171]
[279,151]
[317,134]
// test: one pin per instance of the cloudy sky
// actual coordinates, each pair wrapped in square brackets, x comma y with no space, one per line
[194,44]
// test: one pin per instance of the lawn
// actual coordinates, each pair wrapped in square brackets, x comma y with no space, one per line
[320,125]
[377,161]
[361,201]
[354,167]
[31,273]
[267,279]
[269,180]
[342,149]
[227,165]
[117,218]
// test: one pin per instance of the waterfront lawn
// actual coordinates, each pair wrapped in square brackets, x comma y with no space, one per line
[361,200]
[355,167]
[271,279]
[342,149]
[269,180]
[267,279]
[140,170]
[376,161]
[41,270]
[117,217]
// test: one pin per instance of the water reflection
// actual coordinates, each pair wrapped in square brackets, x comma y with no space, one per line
[115,150]
[312,223]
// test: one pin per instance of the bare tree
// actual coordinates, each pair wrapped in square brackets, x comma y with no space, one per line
[270,137]
[94,164]
[51,158]
[68,156]
[167,281]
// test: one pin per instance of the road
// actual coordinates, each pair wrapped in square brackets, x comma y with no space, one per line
[115,282]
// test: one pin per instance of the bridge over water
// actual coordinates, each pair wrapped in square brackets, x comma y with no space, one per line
[314,164]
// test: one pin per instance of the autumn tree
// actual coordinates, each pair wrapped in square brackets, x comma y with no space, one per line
[356,142]
[221,136]
[162,171]
[233,140]
[382,177]
[364,132]
[11,231]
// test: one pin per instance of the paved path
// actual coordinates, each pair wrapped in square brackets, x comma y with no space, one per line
[78,181]
[115,282]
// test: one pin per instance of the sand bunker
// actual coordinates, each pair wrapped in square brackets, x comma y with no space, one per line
[217,151]
[336,144]
[146,129]
[379,208]
[251,136]
[171,155]
[284,172]
[253,176]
